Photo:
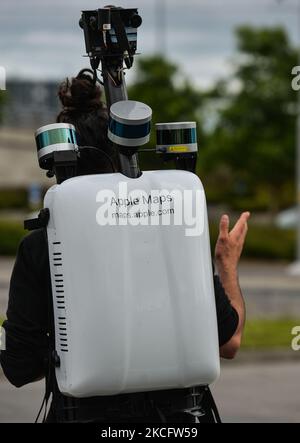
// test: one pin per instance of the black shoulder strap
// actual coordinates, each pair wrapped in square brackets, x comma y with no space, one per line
[33,224]
[50,376]
[64,408]
[41,221]
[210,405]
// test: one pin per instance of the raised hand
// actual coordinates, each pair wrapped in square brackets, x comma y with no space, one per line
[230,244]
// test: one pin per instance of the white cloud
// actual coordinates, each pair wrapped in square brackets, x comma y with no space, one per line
[47,39]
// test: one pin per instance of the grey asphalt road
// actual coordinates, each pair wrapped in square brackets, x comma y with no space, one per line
[245,393]
[259,392]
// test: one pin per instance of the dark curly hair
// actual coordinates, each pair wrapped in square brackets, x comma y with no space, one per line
[82,107]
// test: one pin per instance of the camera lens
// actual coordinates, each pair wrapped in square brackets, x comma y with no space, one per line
[136,21]
[93,23]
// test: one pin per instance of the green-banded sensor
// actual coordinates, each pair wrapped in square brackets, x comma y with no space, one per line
[129,123]
[176,138]
[54,137]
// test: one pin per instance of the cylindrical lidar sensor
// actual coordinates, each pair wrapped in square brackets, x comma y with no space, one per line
[54,137]
[129,123]
[176,138]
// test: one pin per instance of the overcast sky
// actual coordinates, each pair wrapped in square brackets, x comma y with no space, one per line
[41,38]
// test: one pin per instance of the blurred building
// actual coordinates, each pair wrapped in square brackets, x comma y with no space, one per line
[28,106]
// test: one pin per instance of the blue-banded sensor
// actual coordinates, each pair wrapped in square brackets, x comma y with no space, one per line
[54,137]
[176,138]
[129,123]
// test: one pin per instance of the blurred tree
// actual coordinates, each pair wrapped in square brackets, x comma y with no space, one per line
[171,97]
[252,148]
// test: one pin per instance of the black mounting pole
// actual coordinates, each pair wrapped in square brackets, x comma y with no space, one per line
[115,91]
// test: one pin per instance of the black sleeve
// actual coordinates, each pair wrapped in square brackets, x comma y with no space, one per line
[228,318]
[23,360]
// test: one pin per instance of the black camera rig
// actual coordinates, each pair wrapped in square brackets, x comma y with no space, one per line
[111,39]
[110,32]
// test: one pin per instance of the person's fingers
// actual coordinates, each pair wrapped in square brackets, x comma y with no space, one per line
[245,230]
[246,215]
[223,227]
[240,228]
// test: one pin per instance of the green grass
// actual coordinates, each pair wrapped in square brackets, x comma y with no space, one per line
[263,334]
[11,233]
[13,198]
